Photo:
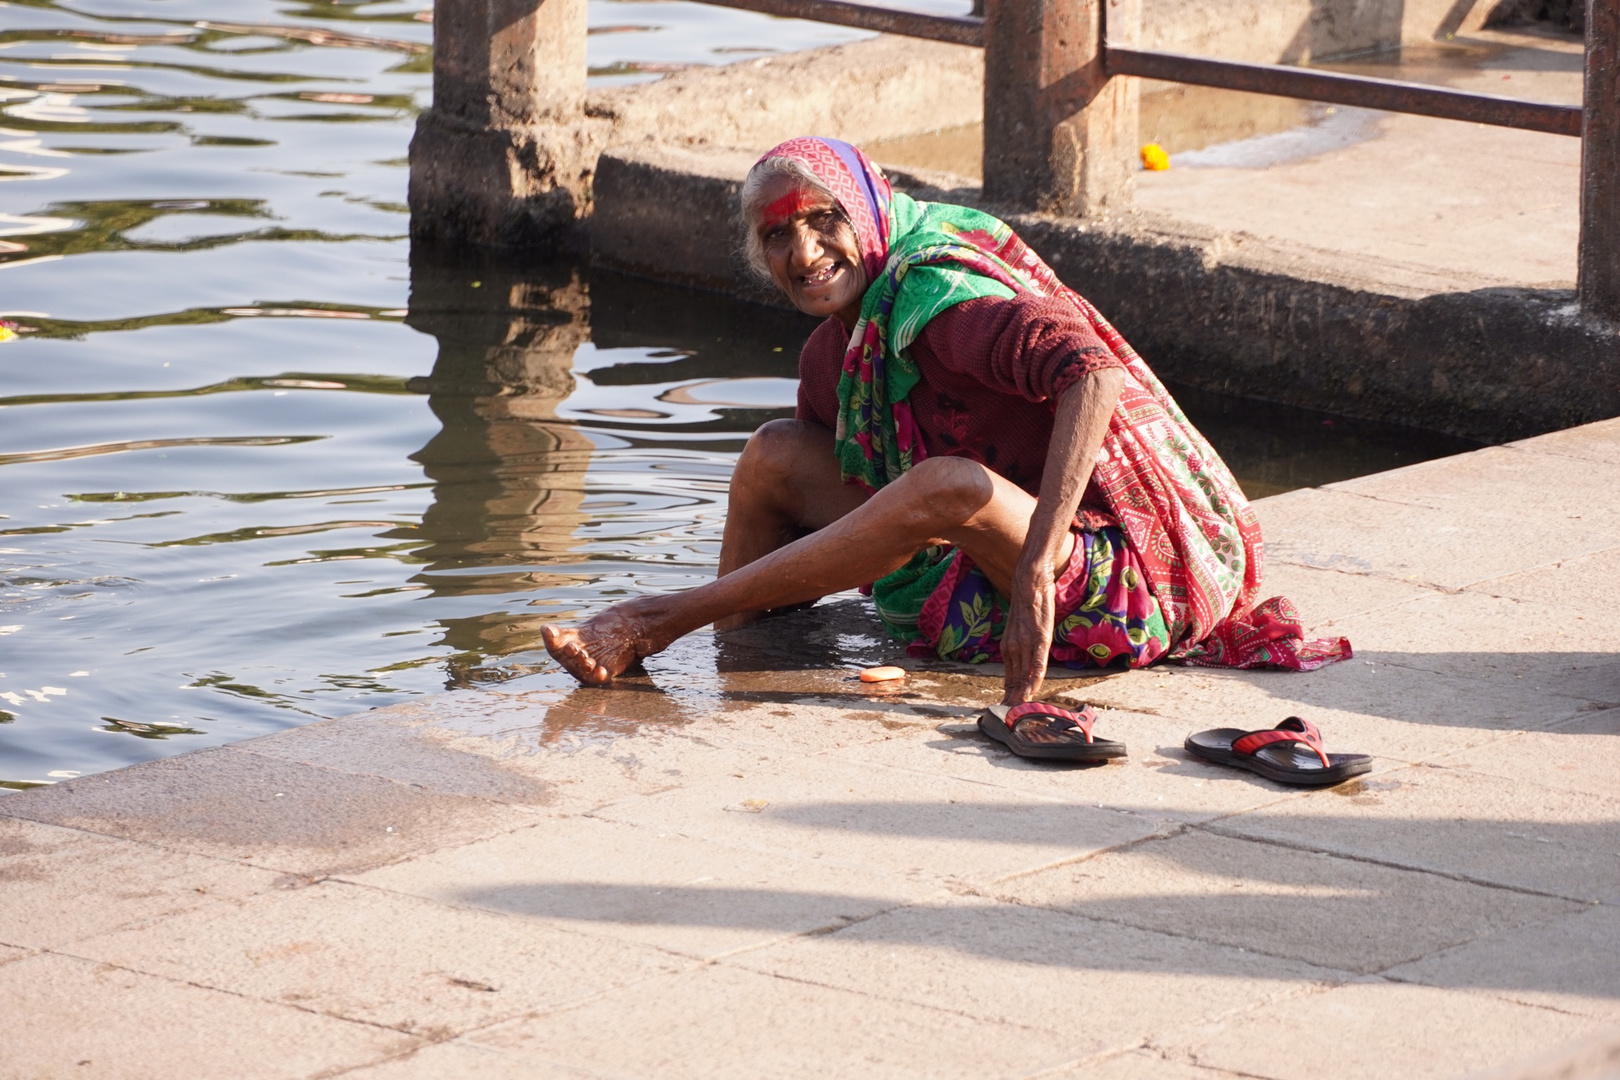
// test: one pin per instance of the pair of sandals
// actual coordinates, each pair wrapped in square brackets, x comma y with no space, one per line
[1290,753]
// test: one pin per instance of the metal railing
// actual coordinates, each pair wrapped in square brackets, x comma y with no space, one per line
[955,29]
[1362,91]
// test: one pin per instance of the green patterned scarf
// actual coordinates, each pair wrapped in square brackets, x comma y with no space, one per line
[940,255]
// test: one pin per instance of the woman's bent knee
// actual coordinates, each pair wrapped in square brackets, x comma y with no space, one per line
[951,489]
[785,455]
[779,449]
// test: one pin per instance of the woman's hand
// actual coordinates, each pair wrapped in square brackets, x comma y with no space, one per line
[1078,428]
[1027,638]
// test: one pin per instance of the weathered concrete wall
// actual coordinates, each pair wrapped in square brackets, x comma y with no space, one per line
[1223,311]
[921,85]
[696,247]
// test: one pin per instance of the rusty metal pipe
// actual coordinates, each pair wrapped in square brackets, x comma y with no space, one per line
[956,29]
[1356,90]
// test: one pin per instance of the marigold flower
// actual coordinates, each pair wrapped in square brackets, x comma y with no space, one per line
[1154,159]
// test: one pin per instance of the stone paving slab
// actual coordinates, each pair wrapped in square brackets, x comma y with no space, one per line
[1566,964]
[1558,758]
[118,882]
[1563,585]
[1376,1029]
[1330,595]
[1452,821]
[1344,914]
[1399,714]
[464,1059]
[439,969]
[1539,646]
[1359,533]
[92,1020]
[745,863]
[1135,785]
[1034,966]
[935,828]
[1467,199]
[1513,483]
[1591,442]
[384,745]
[687,896]
[254,809]
[721,1022]
[1139,1065]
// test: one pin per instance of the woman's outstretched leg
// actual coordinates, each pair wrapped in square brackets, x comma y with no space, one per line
[786,484]
[949,499]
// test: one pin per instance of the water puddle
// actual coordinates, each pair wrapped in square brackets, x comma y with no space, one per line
[1190,122]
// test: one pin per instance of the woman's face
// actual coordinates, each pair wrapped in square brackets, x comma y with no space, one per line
[811,250]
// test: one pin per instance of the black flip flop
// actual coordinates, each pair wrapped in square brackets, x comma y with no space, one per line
[1000,722]
[1290,753]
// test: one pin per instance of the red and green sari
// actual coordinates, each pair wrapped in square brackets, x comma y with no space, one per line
[1171,569]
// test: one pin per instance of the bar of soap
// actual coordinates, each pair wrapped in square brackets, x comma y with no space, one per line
[883,674]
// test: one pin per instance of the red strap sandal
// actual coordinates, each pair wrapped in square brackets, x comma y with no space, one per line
[1074,740]
[1290,753]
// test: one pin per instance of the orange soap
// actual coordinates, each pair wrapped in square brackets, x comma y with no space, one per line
[882,674]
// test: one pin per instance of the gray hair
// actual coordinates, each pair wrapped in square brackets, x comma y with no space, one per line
[752,200]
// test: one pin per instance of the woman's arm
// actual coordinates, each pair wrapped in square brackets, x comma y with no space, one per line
[1081,422]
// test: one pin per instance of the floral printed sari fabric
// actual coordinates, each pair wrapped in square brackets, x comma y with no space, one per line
[1185,532]
[945,606]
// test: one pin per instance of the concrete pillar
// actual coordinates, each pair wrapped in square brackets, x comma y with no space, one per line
[1059,135]
[503,158]
[1600,163]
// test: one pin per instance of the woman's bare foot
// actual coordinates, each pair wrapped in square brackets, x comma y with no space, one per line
[604,645]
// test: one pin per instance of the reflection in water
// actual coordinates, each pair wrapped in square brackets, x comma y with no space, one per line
[538,490]
[508,476]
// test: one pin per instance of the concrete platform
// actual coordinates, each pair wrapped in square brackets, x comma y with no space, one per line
[744,863]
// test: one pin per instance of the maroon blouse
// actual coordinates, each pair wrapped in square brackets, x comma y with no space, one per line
[992,370]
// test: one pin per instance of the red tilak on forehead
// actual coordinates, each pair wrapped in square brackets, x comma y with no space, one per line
[789,205]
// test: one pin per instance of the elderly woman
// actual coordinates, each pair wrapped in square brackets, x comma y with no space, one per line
[976,443]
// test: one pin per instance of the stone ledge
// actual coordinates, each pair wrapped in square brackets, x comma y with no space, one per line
[1231,312]
[670,214]
[922,85]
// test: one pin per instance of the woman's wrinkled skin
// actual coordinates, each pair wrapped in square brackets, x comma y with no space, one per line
[795,532]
